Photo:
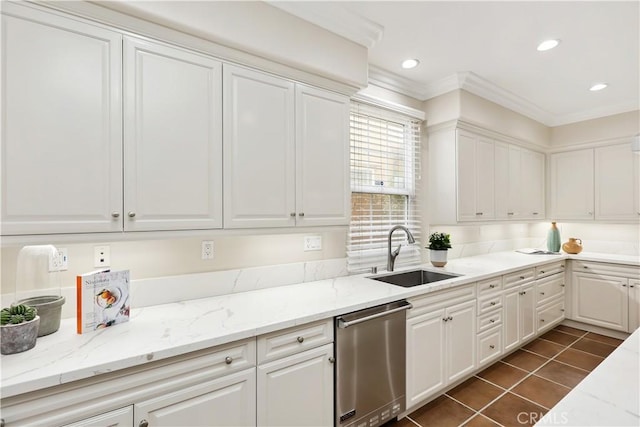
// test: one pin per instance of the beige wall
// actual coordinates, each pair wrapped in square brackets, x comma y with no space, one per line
[260,29]
[610,127]
[156,258]
[442,108]
[490,115]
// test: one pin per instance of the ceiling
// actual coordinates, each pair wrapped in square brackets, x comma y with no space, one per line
[489,48]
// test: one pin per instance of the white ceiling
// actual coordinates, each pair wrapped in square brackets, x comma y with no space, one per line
[489,48]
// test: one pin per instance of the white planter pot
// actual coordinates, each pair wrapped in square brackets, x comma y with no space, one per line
[438,257]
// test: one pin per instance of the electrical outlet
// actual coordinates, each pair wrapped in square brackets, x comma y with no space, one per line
[59,260]
[101,256]
[207,249]
[312,243]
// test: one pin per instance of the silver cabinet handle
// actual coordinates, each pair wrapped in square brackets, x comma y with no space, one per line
[115,214]
[301,214]
[300,339]
[492,286]
[492,346]
[492,320]
[292,214]
[228,360]
[450,318]
[631,286]
[332,359]
[479,213]
[131,214]
[562,285]
[509,213]
[624,286]
[586,266]
[445,319]
[542,271]
[521,277]
[535,213]
[542,320]
[493,303]
[541,293]
[590,213]
[143,423]
[562,310]
[346,323]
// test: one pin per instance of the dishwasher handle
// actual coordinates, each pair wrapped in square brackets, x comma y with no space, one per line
[403,305]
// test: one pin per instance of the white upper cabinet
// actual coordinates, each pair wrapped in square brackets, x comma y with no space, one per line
[172,138]
[475,177]
[322,157]
[617,184]
[62,127]
[286,152]
[600,183]
[572,181]
[259,149]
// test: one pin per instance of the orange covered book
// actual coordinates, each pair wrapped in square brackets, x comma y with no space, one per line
[102,299]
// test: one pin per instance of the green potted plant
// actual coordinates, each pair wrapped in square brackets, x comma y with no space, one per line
[18,328]
[439,243]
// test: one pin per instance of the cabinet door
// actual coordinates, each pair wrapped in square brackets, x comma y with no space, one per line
[118,418]
[527,312]
[634,304]
[225,401]
[259,152]
[505,183]
[425,356]
[62,125]
[550,315]
[297,390]
[322,157]
[615,183]
[572,185]
[532,183]
[475,170]
[461,340]
[601,300]
[511,322]
[173,138]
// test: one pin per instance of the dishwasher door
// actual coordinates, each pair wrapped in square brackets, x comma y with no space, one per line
[370,365]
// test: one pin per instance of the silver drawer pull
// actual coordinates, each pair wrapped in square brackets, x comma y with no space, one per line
[492,346]
[300,339]
[562,285]
[492,286]
[292,214]
[115,214]
[332,359]
[542,320]
[541,293]
[228,360]
[492,320]
[542,271]
[585,266]
[493,303]
[131,214]
[521,277]
[479,213]
[301,214]
[143,423]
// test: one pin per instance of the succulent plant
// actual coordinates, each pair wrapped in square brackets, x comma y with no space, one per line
[17,314]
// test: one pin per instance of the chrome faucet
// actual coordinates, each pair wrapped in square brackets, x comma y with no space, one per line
[391,256]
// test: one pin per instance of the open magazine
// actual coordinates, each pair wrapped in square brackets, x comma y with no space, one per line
[534,251]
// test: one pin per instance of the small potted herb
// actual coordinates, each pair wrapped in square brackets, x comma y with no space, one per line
[18,328]
[439,243]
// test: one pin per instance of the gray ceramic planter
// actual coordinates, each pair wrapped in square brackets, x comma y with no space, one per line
[20,337]
[49,309]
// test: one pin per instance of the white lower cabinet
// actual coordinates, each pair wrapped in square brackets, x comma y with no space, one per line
[519,315]
[605,295]
[441,337]
[489,345]
[297,390]
[122,417]
[226,401]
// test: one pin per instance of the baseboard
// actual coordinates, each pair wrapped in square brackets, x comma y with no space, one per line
[595,329]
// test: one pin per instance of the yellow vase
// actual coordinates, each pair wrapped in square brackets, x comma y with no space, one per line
[573,246]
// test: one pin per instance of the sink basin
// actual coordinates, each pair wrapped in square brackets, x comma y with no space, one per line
[411,278]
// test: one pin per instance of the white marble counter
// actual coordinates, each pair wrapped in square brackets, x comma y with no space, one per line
[167,330]
[608,396]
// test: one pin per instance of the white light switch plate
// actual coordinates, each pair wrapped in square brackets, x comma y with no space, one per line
[312,243]
[101,256]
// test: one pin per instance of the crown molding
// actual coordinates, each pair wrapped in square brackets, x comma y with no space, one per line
[340,20]
[388,105]
[391,81]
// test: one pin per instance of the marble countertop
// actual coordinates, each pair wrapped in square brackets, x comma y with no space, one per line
[167,330]
[608,396]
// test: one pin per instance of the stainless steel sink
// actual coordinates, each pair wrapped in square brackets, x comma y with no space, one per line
[411,278]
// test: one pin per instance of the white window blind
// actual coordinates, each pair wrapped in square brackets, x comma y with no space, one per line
[385,178]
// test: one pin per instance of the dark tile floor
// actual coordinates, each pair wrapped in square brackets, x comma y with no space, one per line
[519,389]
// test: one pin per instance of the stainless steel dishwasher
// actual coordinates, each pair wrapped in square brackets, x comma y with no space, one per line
[370,365]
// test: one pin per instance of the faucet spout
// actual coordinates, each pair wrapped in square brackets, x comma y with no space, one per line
[391,256]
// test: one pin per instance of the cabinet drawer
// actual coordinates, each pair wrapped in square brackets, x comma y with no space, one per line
[489,345]
[294,340]
[489,303]
[441,299]
[519,277]
[489,320]
[550,269]
[549,289]
[607,269]
[550,315]
[488,286]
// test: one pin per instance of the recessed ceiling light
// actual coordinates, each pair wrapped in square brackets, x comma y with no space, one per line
[410,63]
[548,44]
[598,86]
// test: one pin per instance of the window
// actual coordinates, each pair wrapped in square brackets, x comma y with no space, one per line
[385,177]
